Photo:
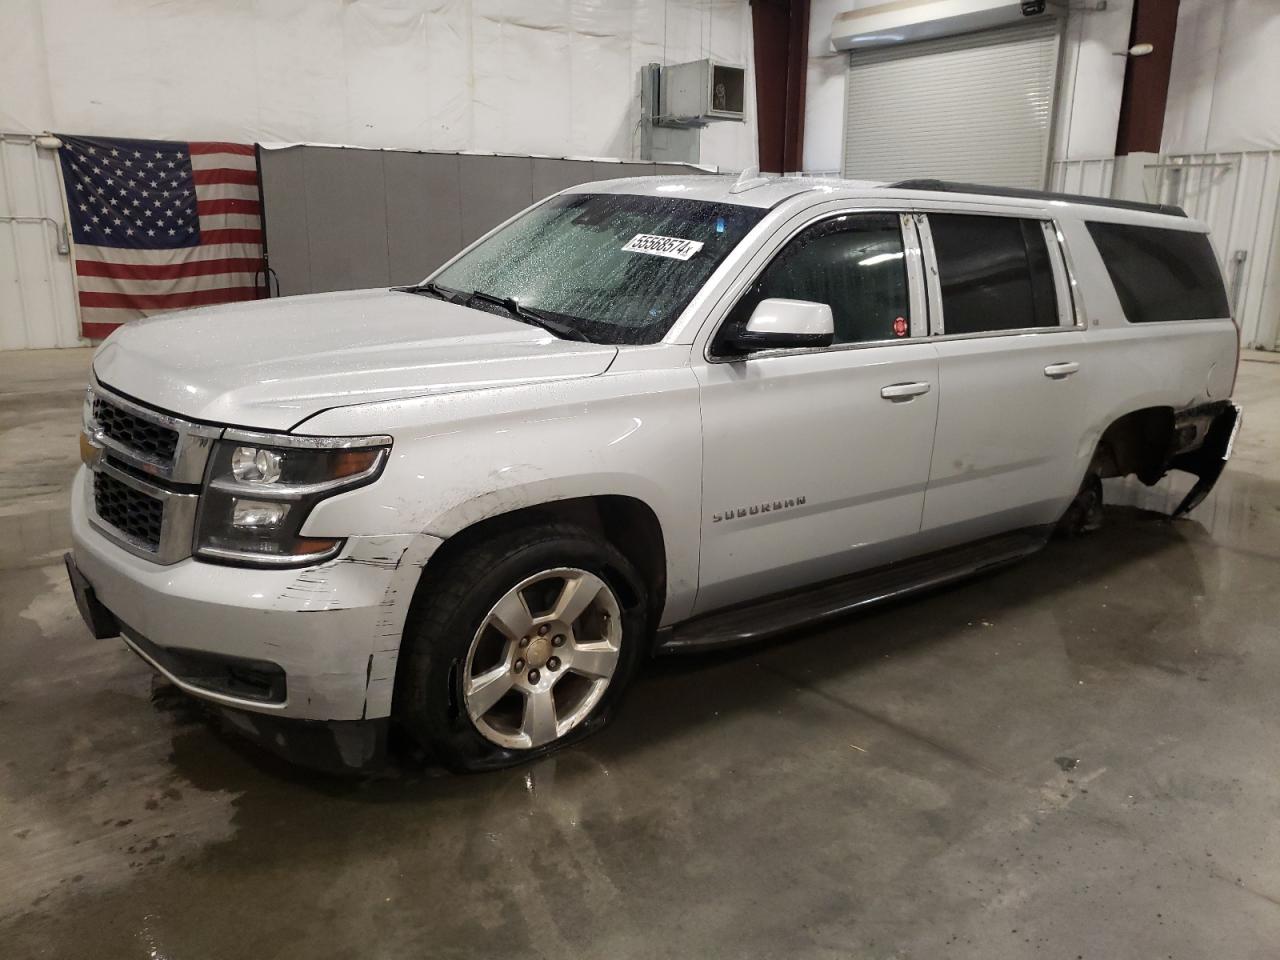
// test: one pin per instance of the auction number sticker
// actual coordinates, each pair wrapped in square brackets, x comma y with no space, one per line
[672,247]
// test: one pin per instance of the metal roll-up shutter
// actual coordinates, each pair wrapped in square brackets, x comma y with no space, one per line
[977,107]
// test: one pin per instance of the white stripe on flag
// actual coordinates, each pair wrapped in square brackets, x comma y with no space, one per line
[214,251]
[231,221]
[213,281]
[226,191]
[223,161]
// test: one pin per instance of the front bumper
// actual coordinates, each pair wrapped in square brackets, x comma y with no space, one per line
[332,631]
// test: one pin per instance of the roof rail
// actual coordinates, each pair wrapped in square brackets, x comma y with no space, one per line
[951,186]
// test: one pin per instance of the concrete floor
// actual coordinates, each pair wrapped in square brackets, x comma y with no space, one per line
[1076,757]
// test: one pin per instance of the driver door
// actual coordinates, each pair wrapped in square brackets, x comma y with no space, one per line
[815,461]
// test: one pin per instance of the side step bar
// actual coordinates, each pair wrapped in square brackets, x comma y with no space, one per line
[778,614]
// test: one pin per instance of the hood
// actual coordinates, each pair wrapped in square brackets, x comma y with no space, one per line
[272,363]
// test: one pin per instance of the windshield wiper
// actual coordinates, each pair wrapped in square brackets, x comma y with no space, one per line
[530,316]
[433,289]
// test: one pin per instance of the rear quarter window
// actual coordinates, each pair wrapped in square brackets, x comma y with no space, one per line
[1161,274]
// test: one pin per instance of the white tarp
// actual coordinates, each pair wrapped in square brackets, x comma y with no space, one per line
[556,77]
[1225,77]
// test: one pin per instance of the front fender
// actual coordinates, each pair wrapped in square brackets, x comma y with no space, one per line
[462,458]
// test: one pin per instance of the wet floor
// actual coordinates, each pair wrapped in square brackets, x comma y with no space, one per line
[1076,757]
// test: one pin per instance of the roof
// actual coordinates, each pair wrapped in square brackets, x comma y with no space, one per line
[952,186]
[767,192]
[762,192]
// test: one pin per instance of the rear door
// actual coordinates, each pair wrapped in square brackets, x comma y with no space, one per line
[1012,375]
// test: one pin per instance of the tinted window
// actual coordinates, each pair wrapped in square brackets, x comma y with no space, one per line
[617,267]
[995,273]
[1161,274]
[855,264]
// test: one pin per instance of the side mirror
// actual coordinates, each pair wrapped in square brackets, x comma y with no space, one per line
[777,324]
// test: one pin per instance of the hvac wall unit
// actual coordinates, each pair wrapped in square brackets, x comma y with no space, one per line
[678,100]
[699,92]
[967,94]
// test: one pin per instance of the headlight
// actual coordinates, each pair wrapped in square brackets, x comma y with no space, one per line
[260,489]
[256,464]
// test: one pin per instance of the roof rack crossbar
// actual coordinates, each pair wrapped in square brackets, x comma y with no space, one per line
[952,186]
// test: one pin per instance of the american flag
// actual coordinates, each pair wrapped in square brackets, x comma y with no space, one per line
[160,225]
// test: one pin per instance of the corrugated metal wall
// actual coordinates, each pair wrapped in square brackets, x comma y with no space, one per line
[37,292]
[1238,195]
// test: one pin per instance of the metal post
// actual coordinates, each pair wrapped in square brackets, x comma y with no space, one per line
[1238,259]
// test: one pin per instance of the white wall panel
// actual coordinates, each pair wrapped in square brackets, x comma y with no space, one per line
[37,296]
[1089,177]
[1224,78]
[824,89]
[1092,80]
[558,77]
[824,113]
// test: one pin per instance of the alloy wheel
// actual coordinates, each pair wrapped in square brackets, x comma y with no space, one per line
[542,658]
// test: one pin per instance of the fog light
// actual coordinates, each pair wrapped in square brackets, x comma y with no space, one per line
[256,465]
[257,514]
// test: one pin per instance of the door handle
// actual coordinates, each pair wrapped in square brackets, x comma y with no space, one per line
[1060,371]
[904,391]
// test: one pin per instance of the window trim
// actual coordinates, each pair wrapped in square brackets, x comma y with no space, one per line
[1063,278]
[914,261]
[1079,311]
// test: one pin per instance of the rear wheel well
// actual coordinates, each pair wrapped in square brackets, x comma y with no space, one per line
[630,525]
[1140,443]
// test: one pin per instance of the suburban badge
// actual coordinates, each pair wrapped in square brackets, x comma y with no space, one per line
[738,512]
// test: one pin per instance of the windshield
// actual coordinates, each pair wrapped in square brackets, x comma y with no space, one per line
[617,268]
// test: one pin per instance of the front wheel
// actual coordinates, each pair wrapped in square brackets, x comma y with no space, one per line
[524,645]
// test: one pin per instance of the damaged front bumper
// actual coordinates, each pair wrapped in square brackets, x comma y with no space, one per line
[1207,460]
[316,644]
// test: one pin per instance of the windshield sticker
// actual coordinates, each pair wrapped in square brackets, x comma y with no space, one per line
[672,247]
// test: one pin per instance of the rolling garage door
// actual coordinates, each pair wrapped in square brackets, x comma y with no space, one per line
[977,107]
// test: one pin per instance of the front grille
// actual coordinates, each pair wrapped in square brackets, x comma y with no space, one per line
[130,511]
[151,440]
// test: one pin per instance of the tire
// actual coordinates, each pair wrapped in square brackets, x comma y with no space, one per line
[466,644]
[1084,515]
